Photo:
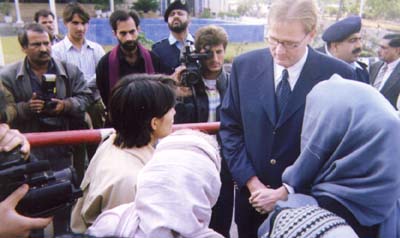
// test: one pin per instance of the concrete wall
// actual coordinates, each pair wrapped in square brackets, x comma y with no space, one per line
[156,29]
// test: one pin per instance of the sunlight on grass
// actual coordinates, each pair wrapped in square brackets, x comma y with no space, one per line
[12,50]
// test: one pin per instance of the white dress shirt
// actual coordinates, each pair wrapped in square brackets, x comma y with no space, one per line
[389,71]
[294,71]
[85,59]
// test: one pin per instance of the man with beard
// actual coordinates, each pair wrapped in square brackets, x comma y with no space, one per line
[49,95]
[343,41]
[46,18]
[169,49]
[128,57]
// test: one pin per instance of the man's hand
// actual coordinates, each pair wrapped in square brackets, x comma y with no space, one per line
[264,200]
[9,139]
[254,184]
[13,224]
[176,76]
[180,90]
[35,105]
[59,106]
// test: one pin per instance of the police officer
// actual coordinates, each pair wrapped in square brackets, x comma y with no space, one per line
[169,49]
[343,41]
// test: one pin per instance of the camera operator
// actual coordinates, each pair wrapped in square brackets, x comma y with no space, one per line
[200,100]
[201,96]
[13,224]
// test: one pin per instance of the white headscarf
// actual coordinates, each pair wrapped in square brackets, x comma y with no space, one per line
[175,193]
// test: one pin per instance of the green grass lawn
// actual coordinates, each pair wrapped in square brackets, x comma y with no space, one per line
[12,50]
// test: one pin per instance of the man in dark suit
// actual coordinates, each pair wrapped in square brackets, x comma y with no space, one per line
[262,112]
[169,49]
[385,74]
[343,41]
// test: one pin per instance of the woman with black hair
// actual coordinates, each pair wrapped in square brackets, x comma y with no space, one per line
[141,112]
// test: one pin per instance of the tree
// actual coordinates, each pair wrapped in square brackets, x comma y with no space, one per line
[146,5]
[387,9]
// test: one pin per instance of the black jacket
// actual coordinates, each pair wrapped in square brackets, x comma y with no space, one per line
[194,108]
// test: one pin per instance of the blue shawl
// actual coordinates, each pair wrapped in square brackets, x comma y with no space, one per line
[350,150]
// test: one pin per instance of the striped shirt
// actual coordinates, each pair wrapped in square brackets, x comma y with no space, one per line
[213,99]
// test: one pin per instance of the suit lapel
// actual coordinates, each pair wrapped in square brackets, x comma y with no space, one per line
[374,72]
[307,79]
[267,88]
[392,80]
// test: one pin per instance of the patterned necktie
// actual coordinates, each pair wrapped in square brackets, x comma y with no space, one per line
[283,92]
[379,77]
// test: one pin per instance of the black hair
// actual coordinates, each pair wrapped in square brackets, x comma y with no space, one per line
[23,34]
[394,39]
[135,100]
[42,13]
[120,15]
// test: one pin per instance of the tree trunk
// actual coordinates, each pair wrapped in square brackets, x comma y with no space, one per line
[340,11]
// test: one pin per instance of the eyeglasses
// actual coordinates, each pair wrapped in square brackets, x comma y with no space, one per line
[288,45]
[39,44]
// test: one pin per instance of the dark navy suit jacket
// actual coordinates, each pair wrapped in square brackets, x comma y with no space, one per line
[254,141]
[391,88]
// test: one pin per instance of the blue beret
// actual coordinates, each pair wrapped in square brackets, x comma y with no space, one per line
[342,29]
[176,5]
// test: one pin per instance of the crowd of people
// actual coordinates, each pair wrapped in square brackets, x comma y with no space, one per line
[306,134]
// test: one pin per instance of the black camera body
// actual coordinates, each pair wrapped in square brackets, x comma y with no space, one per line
[49,190]
[49,91]
[191,60]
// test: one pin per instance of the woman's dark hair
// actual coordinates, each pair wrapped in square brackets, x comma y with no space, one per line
[135,100]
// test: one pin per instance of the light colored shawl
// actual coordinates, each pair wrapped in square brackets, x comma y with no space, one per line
[350,149]
[175,193]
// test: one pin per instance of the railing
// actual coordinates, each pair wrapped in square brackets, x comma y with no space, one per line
[97,135]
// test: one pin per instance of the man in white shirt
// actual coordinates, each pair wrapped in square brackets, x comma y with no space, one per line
[83,53]
[263,109]
[46,18]
[385,74]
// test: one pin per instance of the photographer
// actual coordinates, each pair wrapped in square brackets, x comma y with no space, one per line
[13,224]
[200,100]
[49,95]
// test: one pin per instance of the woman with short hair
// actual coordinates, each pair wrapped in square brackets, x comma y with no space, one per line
[141,112]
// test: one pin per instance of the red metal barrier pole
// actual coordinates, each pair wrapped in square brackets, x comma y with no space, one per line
[95,136]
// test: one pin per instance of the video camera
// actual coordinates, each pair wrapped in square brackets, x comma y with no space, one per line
[49,90]
[49,191]
[191,60]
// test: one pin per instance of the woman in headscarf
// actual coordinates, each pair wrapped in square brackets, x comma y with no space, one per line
[141,112]
[349,159]
[175,192]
